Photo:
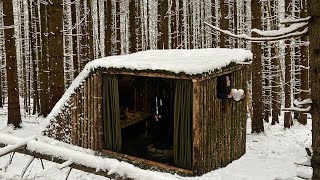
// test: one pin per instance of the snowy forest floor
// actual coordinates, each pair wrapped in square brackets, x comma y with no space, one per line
[270,155]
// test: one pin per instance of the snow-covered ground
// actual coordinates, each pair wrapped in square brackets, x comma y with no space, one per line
[271,155]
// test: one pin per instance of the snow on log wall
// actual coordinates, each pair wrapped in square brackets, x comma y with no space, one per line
[80,122]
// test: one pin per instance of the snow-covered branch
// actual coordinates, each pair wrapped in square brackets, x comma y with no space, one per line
[307,109]
[290,20]
[78,159]
[257,39]
[281,32]
[10,148]
[7,27]
[306,101]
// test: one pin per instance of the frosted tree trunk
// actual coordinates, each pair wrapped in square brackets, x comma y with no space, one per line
[75,37]
[304,87]
[68,43]
[3,83]
[288,78]
[14,116]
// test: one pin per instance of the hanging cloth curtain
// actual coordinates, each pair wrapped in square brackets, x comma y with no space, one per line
[182,140]
[111,113]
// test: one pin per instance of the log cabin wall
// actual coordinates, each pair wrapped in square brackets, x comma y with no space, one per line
[86,114]
[221,126]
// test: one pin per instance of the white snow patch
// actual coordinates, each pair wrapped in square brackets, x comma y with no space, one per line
[270,155]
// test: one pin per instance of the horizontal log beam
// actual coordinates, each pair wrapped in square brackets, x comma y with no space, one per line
[139,161]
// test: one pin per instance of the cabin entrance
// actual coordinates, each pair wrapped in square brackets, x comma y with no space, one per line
[146,117]
[149,118]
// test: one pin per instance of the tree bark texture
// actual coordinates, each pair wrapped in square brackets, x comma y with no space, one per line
[304,94]
[257,104]
[43,65]
[55,44]
[287,87]
[14,116]
[314,36]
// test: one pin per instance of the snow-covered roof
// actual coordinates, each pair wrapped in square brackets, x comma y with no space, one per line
[188,61]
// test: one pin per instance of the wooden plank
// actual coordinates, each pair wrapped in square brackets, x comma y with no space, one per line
[209,100]
[85,114]
[218,131]
[202,129]
[92,111]
[213,123]
[78,104]
[222,138]
[73,118]
[89,112]
[205,138]
[139,161]
[227,131]
[82,118]
[196,128]
[244,109]
[100,112]
[95,114]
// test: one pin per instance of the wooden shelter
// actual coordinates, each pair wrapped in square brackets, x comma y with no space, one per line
[165,98]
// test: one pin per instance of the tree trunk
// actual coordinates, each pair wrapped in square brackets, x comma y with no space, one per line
[304,92]
[163,25]
[275,86]
[74,14]
[55,47]
[117,27]
[257,104]
[223,23]
[287,86]
[14,116]
[108,29]
[43,65]
[287,83]
[314,49]
[132,27]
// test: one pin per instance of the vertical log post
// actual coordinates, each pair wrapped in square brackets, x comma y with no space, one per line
[196,132]
[85,115]
[100,112]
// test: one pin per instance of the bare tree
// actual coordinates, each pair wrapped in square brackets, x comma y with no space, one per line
[14,116]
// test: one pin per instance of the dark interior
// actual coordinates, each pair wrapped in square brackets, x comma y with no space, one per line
[146,113]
